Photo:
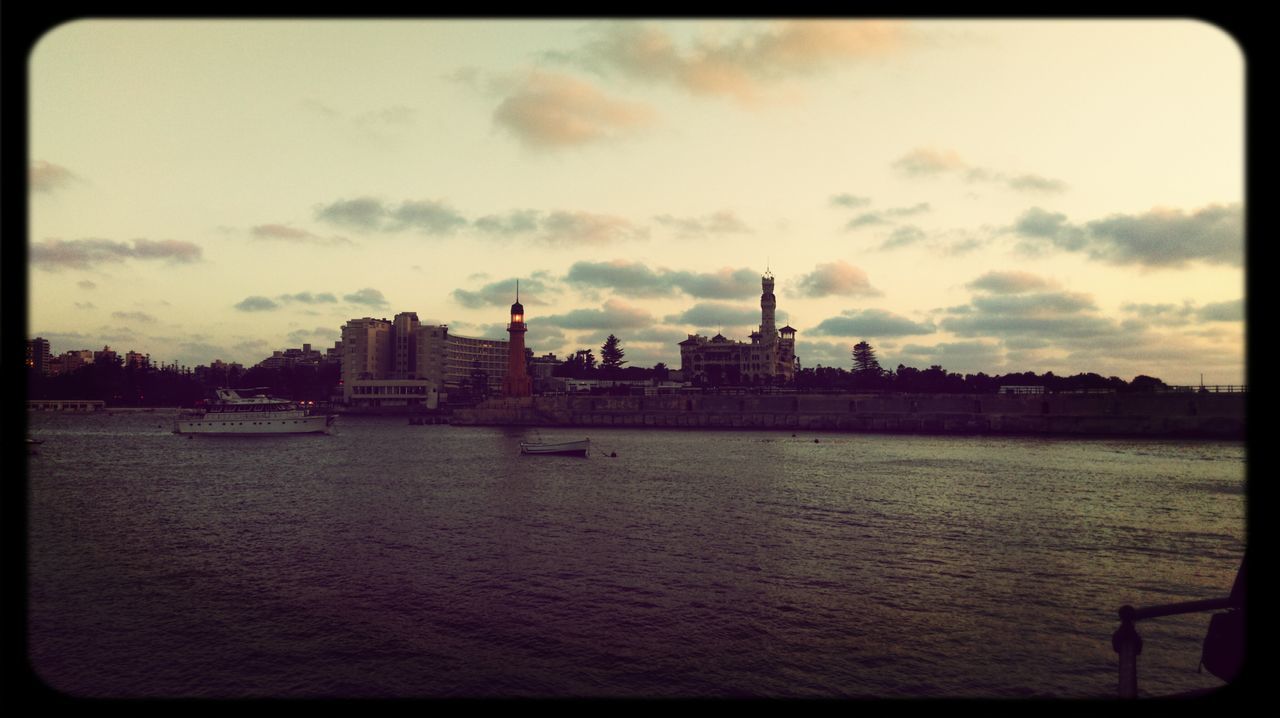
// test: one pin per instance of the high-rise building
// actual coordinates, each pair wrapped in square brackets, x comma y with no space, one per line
[404,331]
[39,357]
[366,345]
[769,358]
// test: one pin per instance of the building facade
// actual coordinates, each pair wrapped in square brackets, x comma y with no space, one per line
[39,356]
[768,358]
[402,362]
[454,361]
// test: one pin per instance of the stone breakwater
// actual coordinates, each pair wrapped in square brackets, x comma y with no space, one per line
[1183,414]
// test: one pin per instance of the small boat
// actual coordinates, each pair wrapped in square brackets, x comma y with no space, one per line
[31,441]
[576,448]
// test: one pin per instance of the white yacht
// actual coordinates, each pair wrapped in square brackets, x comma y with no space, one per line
[235,415]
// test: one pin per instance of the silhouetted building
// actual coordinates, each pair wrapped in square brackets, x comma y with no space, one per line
[39,357]
[290,358]
[769,358]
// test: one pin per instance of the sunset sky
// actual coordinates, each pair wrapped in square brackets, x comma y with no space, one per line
[1039,195]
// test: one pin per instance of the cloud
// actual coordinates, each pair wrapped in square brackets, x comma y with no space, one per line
[926,161]
[957,357]
[1229,311]
[364,213]
[1188,312]
[134,317]
[256,304]
[428,216]
[726,283]
[291,234]
[319,335]
[516,221]
[86,284]
[1038,224]
[886,215]
[719,314]
[932,161]
[1036,183]
[739,67]
[378,125]
[502,293]
[838,278]
[555,111]
[46,177]
[309,298]
[870,323]
[562,227]
[614,315]
[433,217]
[1160,238]
[367,296]
[903,236]
[719,223]
[370,214]
[85,253]
[1054,316]
[1012,282]
[638,280]
[1038,304]
[849,200]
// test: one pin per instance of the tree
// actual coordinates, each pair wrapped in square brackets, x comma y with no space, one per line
[864,360]
[611,355]
[660,371]
[867,373]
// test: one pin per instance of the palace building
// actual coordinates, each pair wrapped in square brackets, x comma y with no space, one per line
[769,358]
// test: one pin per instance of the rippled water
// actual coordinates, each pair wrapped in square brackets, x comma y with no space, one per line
[391,560]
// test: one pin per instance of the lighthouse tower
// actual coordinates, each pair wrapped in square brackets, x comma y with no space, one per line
[516,383]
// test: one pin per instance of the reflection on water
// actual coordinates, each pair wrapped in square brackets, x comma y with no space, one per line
[398,560]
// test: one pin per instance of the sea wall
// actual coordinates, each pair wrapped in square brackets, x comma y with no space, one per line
[1209,415]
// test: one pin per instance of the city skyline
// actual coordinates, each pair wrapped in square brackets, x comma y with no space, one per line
[998,196]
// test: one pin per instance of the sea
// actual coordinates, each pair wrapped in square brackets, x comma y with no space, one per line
[390,560]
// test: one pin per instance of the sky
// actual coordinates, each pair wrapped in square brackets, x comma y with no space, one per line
[984,195]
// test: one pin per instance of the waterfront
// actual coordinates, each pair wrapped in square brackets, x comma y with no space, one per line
[391,560]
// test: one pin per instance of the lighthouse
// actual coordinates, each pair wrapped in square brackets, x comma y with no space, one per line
[516,383]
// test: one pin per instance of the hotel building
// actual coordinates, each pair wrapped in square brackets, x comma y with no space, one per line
[403,363]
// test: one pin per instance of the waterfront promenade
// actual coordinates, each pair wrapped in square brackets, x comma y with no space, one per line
[1183,414]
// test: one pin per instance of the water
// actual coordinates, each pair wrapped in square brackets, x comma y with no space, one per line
[391,560]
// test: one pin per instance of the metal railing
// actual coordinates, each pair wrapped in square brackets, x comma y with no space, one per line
[1128,643]
[1209,388]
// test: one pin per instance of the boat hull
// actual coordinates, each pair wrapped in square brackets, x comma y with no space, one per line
[254,426]
[568,448]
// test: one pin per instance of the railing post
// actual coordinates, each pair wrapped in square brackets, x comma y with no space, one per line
[1128,644]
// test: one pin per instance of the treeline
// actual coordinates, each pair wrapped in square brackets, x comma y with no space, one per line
[936,380]
[110,381]
[582,364]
